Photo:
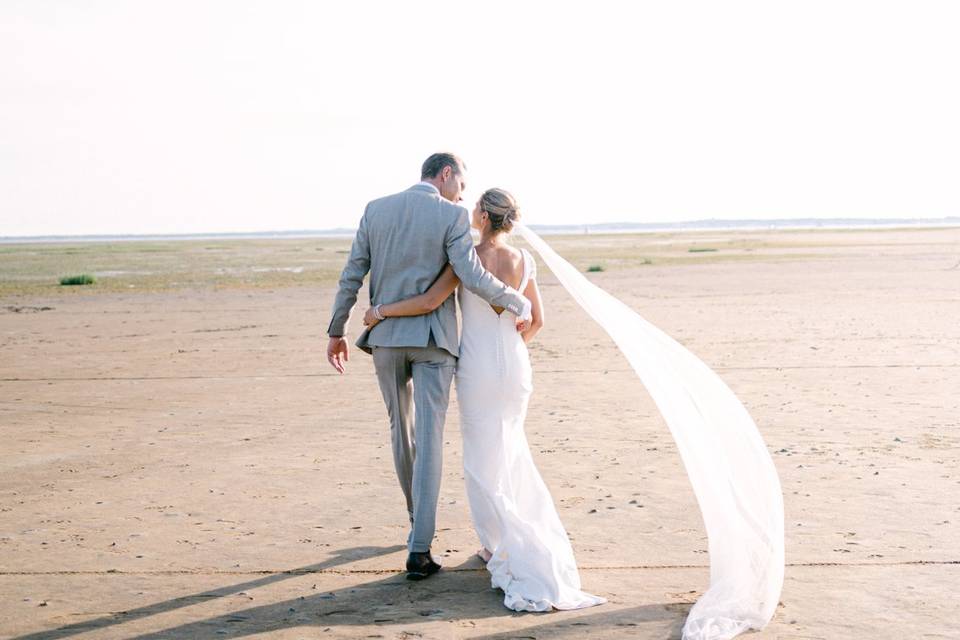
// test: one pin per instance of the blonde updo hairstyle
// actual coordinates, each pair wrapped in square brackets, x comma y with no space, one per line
[501,208]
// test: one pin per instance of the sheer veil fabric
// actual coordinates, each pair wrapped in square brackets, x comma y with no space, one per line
[732,474]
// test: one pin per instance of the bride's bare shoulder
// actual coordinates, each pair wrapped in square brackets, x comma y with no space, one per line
[503,261]
[499,252]
[512,252]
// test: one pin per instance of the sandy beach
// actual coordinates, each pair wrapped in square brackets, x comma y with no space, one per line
[179,461]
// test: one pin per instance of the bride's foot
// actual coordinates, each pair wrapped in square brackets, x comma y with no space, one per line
[484,554]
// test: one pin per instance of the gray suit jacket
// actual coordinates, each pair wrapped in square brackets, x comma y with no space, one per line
[405,241]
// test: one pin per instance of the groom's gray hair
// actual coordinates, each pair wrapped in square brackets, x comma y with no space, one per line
[433,165]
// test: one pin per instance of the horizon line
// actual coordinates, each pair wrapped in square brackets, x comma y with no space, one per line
[690,225]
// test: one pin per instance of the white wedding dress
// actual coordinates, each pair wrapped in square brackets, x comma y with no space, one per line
[727,461]
[513,513]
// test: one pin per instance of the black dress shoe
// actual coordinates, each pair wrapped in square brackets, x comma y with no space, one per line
[420,566]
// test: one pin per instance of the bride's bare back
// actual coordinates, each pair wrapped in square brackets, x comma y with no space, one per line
[504,262]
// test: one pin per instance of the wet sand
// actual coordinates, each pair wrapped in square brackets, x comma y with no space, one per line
[180,462]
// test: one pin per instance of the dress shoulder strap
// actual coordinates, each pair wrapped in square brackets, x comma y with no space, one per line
[529,269]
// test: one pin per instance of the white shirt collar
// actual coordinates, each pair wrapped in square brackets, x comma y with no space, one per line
[431,185]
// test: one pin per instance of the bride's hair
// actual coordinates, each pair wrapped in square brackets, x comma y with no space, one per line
[501,208]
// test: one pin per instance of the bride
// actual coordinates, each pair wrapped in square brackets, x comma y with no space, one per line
[523,542]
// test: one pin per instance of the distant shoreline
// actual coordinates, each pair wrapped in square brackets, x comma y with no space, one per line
[787,224]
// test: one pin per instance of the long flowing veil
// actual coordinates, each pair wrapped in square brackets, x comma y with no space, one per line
[728,464]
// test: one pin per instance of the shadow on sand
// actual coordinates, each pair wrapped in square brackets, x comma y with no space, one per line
[456,597]
[652,621]
[341,557]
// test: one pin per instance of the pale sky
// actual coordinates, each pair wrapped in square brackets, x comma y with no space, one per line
[178,117]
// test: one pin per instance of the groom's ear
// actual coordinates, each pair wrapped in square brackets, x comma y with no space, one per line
[448,172]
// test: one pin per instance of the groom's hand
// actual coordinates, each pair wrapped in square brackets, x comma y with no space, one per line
[337,352]
[525,319]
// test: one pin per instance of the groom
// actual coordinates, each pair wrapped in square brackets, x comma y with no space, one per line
[405,240]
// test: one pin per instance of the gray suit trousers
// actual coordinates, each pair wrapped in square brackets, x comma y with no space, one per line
[415,383]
